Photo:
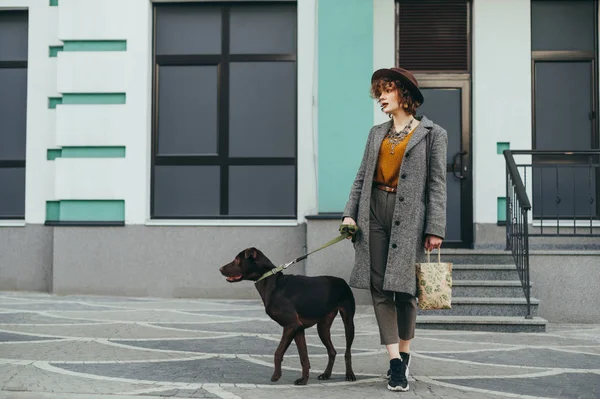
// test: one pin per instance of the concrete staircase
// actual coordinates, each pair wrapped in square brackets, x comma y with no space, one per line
[486,296]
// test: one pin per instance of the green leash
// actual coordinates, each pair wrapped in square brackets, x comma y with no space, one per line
[346,230]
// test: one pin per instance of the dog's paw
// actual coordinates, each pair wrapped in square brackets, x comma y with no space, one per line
[350,377]
[275,377]
[324,376]
[301,381]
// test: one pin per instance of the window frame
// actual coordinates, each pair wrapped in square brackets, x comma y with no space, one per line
[16,163]
[222,158]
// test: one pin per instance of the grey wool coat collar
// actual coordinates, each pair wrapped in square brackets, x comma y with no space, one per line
[415,218]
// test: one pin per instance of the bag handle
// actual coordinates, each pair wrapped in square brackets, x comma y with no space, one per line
[439,256]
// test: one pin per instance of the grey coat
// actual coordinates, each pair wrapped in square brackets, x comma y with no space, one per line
[416,219]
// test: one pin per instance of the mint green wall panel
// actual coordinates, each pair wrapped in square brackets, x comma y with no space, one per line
[501,209]
[85,211]
[500,147]
[345,110]
[92,210]
[93,152]
[53,153]
[95,45]
[54,50]
[54,101]
[93,98]
[52,211]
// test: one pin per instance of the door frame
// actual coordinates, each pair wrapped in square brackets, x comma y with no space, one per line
[460,81]
[564,57]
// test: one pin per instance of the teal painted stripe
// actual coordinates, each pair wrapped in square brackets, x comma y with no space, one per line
[95,45]
[87,152]
[345,110]
[53,153]
[53,3]
[500,147]
[94,98]
[54,50]
[85,211]
[52,211]
[501,209]
[54,101]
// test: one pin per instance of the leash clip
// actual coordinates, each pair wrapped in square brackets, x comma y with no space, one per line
[285,266]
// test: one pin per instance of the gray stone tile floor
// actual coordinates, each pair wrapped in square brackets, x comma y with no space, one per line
[94,347]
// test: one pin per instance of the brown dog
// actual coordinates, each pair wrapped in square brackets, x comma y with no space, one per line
[297,303]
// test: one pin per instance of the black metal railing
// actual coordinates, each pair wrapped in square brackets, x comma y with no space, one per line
[517,234]
[565,186]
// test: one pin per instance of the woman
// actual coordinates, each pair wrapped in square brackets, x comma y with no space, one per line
[400,207]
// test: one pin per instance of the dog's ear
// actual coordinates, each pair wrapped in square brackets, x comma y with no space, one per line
[251,253]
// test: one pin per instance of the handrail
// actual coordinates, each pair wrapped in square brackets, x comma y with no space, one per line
[516,179]
[517,233]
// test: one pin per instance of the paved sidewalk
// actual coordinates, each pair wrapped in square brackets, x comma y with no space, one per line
[106,347]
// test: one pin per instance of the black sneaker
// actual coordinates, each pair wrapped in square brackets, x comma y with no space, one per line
[398,380]
[406,359]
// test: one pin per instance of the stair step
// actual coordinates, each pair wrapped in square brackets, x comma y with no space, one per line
[487,288]
[485,306]
[484,272]
[475,256]
[482,323]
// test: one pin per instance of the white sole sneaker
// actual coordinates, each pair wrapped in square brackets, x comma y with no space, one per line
[398,388]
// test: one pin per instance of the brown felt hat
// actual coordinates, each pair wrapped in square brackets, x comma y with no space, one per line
[408,80]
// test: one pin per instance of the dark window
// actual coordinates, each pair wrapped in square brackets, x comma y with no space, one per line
[224,131]
[433,35]
[13,112]
[567,25]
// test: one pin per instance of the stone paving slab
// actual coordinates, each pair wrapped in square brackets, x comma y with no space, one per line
[75,347]
[21,378]
[10,337]
[432,344]
[190,306]
[220,370]
[37,318]
[67,350]
[148,316]
[256,327]
[567,385]
[34,296]
[369,391]
[110,330]
[533,357]
[52,306]
[247,345]
[527,339]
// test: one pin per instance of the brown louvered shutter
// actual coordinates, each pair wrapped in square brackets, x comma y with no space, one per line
[433,35]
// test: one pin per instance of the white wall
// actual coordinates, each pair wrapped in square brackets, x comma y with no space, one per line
[90,125]
[384,44]
[501,95]
[307,108]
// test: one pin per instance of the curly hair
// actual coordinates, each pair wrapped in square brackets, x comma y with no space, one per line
[405,99]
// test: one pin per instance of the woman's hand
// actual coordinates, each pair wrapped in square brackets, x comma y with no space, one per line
[432,242]
[349,221]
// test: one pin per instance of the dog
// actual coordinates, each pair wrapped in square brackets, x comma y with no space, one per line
[297,303]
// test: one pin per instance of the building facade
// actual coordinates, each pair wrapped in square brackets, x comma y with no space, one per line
[145,143]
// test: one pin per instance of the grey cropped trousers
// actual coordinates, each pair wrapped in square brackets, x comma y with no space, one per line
[396,312]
